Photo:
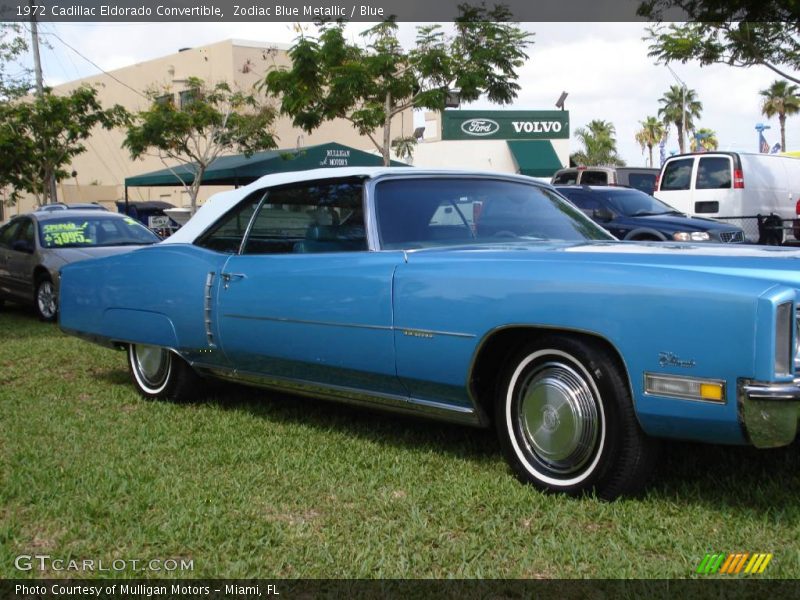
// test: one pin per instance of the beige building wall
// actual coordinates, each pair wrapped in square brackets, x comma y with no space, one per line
[101,170]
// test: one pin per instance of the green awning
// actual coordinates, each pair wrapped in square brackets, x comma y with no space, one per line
[535,158]
[241,170]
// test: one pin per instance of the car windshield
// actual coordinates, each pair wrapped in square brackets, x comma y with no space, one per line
[84,232]
[417,213]
[633,203]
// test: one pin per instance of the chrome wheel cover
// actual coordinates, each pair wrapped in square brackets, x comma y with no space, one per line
[558,417]
[152,365]
[46,299]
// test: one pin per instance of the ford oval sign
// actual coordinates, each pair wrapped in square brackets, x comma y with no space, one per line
[480,127]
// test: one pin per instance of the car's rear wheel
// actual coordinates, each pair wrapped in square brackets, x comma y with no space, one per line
[45,300]
[161,374]
[566,422]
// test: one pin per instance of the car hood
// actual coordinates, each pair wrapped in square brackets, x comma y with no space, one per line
[768,263]
[678,223]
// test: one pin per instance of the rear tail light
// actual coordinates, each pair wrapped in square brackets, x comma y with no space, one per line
[796,222]
[657,183]
[738,179]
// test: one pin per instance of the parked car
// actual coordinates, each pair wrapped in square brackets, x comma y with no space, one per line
[640,178]
[33,247]
[152,214]
[482,299]
[732,184]
[56,206]
[633,215]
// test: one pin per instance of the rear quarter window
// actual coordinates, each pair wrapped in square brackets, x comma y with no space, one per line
[713,173]
[594,178]
[677,175]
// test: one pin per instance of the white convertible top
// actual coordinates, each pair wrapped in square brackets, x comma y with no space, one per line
[222,202]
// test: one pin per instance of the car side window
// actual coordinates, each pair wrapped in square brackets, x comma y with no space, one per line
[310,218]
[587,203]
[227,234]
[8,233]
[26,232]
[713,173]
[677,175]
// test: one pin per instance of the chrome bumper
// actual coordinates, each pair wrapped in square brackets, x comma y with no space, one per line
[768,412]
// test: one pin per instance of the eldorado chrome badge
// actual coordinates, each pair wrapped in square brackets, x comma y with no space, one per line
[668,359]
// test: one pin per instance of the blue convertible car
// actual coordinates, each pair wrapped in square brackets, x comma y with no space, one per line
[482,299]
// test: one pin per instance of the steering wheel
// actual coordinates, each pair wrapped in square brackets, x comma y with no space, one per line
[505,233]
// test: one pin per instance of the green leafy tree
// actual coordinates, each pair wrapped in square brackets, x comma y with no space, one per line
[40,136]
[14,79]
[652,132]
[367,85]
[211,121]
[674,103]
[599,144]
[705,139]
[782,99]
[738,33]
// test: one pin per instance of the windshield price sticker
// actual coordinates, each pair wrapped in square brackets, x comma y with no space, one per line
[64,234]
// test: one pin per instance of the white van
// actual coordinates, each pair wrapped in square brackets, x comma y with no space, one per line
[731,184]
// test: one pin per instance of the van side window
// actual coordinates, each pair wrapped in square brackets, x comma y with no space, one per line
[714,173]
[677,174]
[594,178]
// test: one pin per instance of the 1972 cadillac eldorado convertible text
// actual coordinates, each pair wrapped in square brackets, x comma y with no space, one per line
[482,299]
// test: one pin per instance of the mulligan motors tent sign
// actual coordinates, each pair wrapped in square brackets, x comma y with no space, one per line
[505,125]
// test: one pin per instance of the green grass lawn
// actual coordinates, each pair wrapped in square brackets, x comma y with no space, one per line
[251,484]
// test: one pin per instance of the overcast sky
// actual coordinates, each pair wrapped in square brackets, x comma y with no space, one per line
[603,66]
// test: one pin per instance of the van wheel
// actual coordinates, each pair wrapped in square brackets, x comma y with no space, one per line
[566,422]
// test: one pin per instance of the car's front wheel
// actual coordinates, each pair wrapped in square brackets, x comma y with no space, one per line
[160,373]
[566,422]
[45,299]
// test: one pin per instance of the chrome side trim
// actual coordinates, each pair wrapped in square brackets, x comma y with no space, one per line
[404,330]
[305,322]
[768,412]
[207,308]
[402,404]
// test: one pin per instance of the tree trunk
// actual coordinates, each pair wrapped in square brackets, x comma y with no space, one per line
[194,190]
[650,150]
[782,120]
[387,132]
[679,127]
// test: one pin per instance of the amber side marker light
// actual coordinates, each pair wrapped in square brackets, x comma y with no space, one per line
[688,388]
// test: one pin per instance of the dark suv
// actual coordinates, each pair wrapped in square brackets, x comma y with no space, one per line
[633,215]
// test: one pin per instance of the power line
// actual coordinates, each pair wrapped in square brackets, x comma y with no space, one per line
[96,66]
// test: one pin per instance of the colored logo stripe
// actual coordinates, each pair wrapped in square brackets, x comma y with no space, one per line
[735,563]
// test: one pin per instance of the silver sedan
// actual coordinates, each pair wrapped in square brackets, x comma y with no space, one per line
[35,246]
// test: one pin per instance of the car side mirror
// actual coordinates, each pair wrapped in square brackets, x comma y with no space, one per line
[602,214]
[22,246]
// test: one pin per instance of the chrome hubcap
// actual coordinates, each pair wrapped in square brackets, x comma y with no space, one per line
[152,363]
[46,299]
[558,416]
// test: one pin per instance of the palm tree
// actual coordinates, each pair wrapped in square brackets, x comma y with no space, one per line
[599,144]
[705,139]
[781,98]
[651,133]
[672,111]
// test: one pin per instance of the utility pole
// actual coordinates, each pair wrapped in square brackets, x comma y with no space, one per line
[50,184]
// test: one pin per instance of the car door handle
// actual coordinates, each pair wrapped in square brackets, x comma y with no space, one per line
[228,277]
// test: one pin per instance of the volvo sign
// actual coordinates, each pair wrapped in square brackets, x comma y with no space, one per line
[505,124]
